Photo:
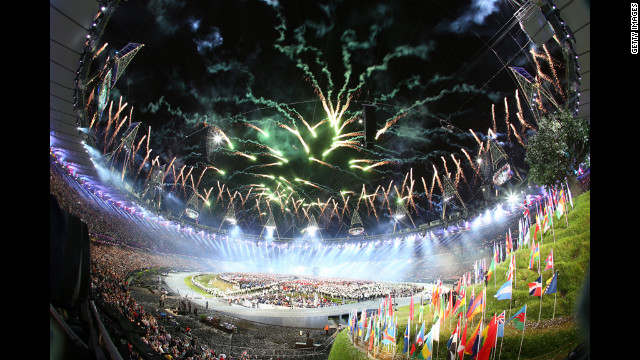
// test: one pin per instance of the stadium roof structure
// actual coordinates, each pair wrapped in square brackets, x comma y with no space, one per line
[77,44]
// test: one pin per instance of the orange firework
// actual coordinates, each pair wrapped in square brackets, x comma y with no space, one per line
[506,116]
[257,128]
[553,70]
[493,117]
[475,137]
[470,162]
[517,136]
[388,124]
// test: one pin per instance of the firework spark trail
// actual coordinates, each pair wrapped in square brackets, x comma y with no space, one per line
[520,114]
[475,137]
[109,121]
[446,171]
[538,70]
[470,162]
[116,117]
[323,163]
[506,117]
[245,155]
[493,117]
[352,134]
[553,70]
[517,136]
[296,133]
[435,175]
[389,123]
[256,128]
[220,193]
[169,167]
[426,192]
[200,177]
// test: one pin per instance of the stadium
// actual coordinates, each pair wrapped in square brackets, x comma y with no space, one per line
[295,180]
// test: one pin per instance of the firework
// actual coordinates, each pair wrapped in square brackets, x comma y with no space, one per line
[493,117]
[506,116]
[517,136]
[389,124]
[257,128]
[475,137]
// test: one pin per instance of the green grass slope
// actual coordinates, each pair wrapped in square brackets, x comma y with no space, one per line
[550,333]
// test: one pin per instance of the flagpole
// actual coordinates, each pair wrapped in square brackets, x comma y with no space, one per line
[555,298]
[524,326]
[540,312]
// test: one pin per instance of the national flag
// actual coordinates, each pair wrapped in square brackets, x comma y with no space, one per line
[459,303]
[452,343]
[534,255]
[420,336]
[545,220]
[549,261]
[512,267]
[411,308]
[535,232]
[471,343]
[569,196]
[535,288]
[492,267]
[435,331]
[552,285]
[427,350]
[463,341]
[389,336]
[520,318]
[477,306]
[405,348]
[504,293]
[500,320]
[489,336]
[471,302]
[449,304]
[371,338]
[560,205]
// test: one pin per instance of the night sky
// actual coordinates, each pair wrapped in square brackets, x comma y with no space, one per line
[267,75]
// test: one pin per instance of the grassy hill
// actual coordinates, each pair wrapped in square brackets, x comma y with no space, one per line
[551,337]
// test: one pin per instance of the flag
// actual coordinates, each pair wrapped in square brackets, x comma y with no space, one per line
[460,303]
[435,331]
[504,293]
[552,285]
[472,341]
[463,341]
[569,196]
[535,288]
[520,318]
[471,302]
[477,306]
[420,335]
[549,261]
[545,220]
[427,350]
[389,336]
[492,267]
[405,348]
[500,320]
[452,344]
[512,267]
[560,205]
[534,255]
[411,308]
[489,336]
[371,338]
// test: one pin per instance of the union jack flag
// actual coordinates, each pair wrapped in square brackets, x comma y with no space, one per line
[500,319]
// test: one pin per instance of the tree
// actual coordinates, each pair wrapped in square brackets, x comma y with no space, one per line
[556,151]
